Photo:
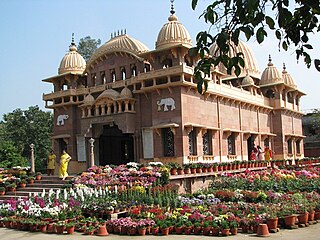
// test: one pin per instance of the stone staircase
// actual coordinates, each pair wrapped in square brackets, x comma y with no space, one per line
[46,183]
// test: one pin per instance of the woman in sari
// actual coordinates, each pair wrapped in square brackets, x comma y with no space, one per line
[64,161]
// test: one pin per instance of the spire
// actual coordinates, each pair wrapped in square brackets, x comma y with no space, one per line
[284,68]
[172,7]
[73,45]
[172,17]
[270,61]
[72,39]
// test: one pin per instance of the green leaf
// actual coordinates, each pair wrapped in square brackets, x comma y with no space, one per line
[194,4]
[278,34]
[317,64]
[308,46]
[270,22]
[304,38]
[260,35]
[284,45]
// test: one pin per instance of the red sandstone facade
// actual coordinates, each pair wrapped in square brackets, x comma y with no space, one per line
[141,105]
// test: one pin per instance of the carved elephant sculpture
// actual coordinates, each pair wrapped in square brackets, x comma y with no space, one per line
[61,119]
[166,102]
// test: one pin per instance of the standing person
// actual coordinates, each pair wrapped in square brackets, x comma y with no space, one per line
[267,154]
[64,161]
[259,154]
[51,161]
[252,155]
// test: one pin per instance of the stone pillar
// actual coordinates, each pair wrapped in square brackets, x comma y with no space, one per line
[32,158]
[91,141]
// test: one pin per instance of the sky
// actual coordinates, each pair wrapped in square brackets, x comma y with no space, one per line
[36,34]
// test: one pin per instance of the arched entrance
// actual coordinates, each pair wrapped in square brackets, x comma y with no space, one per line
[115,147]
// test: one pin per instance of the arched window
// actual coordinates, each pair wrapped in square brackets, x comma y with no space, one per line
[134,71]
[168,142]
[123,73]
[207,143]
[113,75]
[103,77]
[231,144]
[93,79]
[193,143]
[146,67]
[289,142]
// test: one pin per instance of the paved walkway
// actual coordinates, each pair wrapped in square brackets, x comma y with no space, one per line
[312,232]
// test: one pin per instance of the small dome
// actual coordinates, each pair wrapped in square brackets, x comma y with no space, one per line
[121,43]
[88,100]
[72,61]
[173,33]
[287,79]
[126,93]
[109,93]
[247,81]
[270,75]
[251,66]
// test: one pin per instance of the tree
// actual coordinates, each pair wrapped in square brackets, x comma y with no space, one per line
[87,46]
[10,156]
[294,24]
[23,127]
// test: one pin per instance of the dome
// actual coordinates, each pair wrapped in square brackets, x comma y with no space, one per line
[173,33]
[121,43]
[270,75]
[287,79]
[247,81]
[109,93]
[251,66]
[88,100]
[72,61]
[126,93]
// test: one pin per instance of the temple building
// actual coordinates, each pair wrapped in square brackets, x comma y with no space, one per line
[143,105]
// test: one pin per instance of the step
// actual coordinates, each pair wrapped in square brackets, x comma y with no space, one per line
[40,185]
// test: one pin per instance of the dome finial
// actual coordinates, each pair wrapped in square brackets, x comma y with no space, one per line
[172,7]
[72,39]
[284,66]
[72,47]
[270,61]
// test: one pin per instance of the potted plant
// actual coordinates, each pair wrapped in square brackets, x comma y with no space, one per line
[60,226]
[173,167]
[2,191]
[186,168]
[38,176]
[225,229]
[233,227]
[23,183]
[31,179]
[70,226]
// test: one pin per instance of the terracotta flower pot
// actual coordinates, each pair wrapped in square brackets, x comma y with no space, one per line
[59,229]
[188,230]
[311,216]
[102,231]
[43,228]
[179,230]
[215,231]
[180,171]
[206,231]
[197,230]
[142,231]
[186,171]
[234,231]
[303,218]
[165,231]
[154,230]
[263,230]
[70,230]
[317,215]
[290,220]
[225,232]
[272,223]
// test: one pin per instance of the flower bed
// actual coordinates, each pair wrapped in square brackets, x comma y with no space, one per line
[241,200]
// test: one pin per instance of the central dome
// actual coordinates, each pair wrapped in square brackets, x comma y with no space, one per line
[173,33]
[251,67]
[121,43]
